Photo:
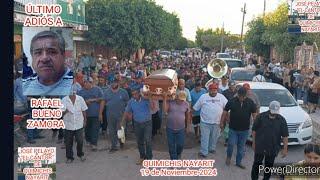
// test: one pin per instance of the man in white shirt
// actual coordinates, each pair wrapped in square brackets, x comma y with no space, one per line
[74,118]
[211,107]
[272,64]
[258,77]
[250,65]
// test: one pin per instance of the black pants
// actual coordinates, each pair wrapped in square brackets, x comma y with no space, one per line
[104,124]
[268,162]
[155,123]
[143,132]
[78,134]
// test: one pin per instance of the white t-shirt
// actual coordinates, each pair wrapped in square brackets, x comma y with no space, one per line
[211,108]
[258,78]
[252,66]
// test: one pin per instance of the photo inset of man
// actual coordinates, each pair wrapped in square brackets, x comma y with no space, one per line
[52,76]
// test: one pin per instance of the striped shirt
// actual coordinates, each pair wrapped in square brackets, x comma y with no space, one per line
[32,87]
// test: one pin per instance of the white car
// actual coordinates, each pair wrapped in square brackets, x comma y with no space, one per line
[223,55]
[241,74]
[299,122]
[165,54]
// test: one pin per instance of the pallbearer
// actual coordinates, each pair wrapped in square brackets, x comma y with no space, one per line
[178,113]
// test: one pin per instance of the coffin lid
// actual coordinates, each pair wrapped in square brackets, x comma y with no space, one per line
[161,74]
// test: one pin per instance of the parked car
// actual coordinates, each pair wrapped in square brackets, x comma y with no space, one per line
[241,74]
[223,56]
[165,54]
[298,121]
[233,63]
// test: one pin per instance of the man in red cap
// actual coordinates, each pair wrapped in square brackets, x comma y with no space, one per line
[251,95]
[211,107]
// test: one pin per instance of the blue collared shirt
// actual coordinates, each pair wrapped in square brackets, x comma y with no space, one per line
[140,109]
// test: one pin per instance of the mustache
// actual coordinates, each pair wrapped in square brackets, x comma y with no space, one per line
[44,65]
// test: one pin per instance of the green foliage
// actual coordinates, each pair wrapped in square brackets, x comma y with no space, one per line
[210,39]
[127,25]
[271,31]
[253,39]
[192,44]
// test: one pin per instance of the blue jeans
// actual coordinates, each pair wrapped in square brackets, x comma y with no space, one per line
[305,96]
[92,130]
[209,137]
[113,129]
[175,142]
[298,93]
[238,138]
[143,133]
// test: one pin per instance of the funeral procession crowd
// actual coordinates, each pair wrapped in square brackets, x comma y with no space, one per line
[108,95]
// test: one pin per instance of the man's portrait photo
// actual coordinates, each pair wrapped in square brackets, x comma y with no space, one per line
[51,75]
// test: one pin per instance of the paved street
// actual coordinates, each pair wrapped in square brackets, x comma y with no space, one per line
[103,166]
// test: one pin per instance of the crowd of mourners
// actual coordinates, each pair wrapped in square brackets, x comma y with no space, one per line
[107,95]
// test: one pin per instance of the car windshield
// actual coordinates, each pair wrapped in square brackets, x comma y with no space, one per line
[265,96]
[233,64]
[165,53]
[223,56]
[242,75]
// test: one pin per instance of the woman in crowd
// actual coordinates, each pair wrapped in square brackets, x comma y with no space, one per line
[305,86]
[312,159]
[314,92]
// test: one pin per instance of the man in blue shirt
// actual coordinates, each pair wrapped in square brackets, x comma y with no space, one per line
[52,77]
[93,98]
[195,95]
[115,99]
[140,108]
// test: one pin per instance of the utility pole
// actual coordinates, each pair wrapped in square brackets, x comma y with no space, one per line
[222,33]
[264,7]
[244,11]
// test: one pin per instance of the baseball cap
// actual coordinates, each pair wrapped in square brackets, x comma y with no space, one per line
[182,96]
[246,86]
[214,86]
[232,83]
[274,107]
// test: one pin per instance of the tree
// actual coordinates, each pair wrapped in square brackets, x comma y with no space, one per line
[253,39]
[191,44]
[211,39]
[182,43]
[271,31]
[127,25]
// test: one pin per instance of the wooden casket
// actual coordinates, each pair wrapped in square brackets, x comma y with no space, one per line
[161,82]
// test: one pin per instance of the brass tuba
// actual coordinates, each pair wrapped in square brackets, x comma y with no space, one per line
[216,68]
